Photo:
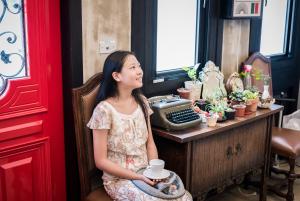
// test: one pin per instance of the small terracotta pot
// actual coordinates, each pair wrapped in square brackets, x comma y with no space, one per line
[184,93]
[251,106]
[239,110]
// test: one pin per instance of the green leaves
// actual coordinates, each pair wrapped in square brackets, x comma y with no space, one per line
[236,96]
[191,72]
[249,95]
[220,106]
[258,75]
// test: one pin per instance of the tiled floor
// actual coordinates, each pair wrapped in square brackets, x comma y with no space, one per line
[239,194]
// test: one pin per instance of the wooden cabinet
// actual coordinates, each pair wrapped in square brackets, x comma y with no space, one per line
[220,160]
[213,158]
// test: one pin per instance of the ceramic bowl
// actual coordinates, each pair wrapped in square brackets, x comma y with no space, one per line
[266,104]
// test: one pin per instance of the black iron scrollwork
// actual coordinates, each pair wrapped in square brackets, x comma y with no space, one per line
[6,59]
[12,57]
[11,38]
[16,8]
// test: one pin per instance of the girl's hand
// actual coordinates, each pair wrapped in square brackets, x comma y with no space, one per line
[146,180]
[157,180]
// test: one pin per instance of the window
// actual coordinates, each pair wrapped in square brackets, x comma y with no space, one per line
[167,35]
[176,31]
[276,31]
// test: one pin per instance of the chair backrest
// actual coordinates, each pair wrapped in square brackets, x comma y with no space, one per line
[262,64]
[84,99]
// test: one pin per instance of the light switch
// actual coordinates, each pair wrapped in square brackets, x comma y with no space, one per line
[107,46]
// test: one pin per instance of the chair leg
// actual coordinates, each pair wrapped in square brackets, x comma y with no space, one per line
[291,180]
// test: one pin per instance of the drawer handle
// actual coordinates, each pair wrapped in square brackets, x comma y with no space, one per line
[238,149]
[229,152]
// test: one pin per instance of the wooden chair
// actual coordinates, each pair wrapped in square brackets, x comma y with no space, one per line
[285,142]
[84,99]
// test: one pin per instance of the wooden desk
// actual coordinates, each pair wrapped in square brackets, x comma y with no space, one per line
[212,158]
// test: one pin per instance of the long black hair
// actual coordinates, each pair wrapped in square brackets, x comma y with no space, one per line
[108,85]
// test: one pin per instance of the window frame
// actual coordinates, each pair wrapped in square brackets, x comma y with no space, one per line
[143,43]
[289,47]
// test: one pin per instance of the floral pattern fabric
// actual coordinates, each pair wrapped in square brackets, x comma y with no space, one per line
[126,146]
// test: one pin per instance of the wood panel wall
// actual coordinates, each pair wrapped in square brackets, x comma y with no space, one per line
[235,48]
[103,19]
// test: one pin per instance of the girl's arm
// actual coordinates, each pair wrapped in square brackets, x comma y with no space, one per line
[151,147]
[103,163]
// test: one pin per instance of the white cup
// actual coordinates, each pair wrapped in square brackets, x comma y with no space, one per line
[156,166]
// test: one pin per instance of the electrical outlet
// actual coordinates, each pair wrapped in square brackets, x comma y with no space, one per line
[107,46]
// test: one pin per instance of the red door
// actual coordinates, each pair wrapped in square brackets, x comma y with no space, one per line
[32,165]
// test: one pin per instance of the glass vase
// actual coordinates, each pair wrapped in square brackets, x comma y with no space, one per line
[266,94]
[247,81]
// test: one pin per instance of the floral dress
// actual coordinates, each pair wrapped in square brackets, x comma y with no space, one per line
[126,146]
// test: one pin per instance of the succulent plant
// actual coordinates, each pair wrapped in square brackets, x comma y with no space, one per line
[237,96]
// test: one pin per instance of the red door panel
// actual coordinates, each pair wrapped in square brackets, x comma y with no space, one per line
[25,95]
[32,165]
[24,171]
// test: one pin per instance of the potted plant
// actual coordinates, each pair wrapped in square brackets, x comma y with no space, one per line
[184,93]
[265,99]
[194,84]
[230,113]
[201,103]
[211,119]
[236,97]
[218,108]
[239,110]
[251,99]
[259,75]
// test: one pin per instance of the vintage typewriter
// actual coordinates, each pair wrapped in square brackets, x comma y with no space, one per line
[172,113]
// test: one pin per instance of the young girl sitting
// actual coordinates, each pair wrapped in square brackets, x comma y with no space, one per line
[122,136]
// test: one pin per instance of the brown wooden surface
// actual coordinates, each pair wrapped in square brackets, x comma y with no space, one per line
[203,130]
[252,138]
[214,158]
